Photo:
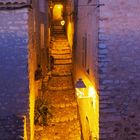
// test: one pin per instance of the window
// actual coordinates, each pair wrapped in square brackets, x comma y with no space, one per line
[42,5]
[84,51]
[42,35]
[88,53]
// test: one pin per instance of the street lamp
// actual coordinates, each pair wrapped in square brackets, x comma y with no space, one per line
[62,22]
[80,88]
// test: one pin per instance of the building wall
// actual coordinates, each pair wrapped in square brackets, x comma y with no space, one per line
[87,40]
[20,54]
[41,18]
[37,51]
[69,10]
[119,68]
[32,61]
[85,65]
[14,89]
[16,131]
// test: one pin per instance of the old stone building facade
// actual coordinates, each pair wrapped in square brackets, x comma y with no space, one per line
[23,29]
[115,59]
[119,66]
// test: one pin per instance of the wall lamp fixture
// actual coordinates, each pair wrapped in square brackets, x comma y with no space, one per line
[80,84]
[80,88]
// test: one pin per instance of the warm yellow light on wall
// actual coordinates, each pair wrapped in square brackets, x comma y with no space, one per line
[32,104]
[88,104]
[25,130]
[59,6]
[58,12]
[70,33]
[92,93]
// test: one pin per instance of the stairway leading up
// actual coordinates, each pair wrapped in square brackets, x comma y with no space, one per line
[64,123]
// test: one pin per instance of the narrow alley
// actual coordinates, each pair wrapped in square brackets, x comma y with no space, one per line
[69,70]
[63,123]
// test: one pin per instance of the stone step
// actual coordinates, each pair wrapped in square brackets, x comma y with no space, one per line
[60,40]
[61,74]
[61,44]
[60,131]
[64,51]
[63,81]
[57,32]
[63,114]
[59,47]
[60,88]
[59,92]
[61,99]
[64,104]
[62,61]
[60,37]
[63,56]
[63,68]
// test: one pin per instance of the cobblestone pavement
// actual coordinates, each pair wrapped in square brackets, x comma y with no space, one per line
[60,94]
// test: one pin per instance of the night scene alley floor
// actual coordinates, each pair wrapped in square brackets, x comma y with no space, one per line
[64,123]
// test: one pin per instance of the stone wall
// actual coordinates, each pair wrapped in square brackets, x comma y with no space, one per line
[119,66]
[12,128]
[14,82]
[20,53]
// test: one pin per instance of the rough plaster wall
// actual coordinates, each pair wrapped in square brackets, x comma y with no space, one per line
[13,64]
[36,55]
[87,24]
[119,67]
[69,8]
[31,70]
[41,18]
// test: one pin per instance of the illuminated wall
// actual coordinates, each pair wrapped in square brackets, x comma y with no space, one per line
[70,22]
[70,33]
[85,67]
[88,105]
[58,12]
[37,50]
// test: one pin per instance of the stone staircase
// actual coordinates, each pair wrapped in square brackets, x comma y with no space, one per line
[64,122]
[58,30]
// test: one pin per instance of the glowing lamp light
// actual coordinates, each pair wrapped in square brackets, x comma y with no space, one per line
[63,22]
[92,93]
[59,6]
[80,88]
